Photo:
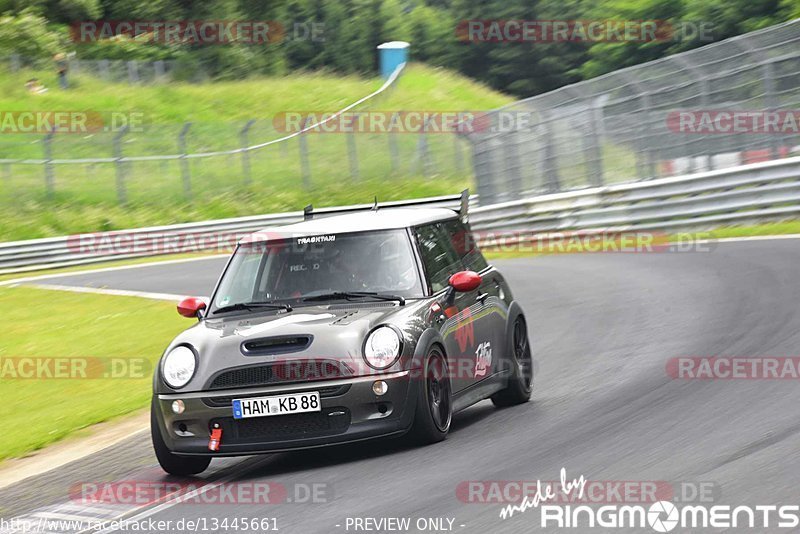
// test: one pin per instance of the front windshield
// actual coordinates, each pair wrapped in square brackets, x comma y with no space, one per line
[296,268]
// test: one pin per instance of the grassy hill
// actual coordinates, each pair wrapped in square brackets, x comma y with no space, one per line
[85,195]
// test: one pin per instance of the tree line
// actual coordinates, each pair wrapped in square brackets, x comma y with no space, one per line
[342,35]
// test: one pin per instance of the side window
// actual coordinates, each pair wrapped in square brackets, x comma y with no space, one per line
[438,255]
[465,245]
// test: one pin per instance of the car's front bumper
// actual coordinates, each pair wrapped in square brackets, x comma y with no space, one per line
[351,411]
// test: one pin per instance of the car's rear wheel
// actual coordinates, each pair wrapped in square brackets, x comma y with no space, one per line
[169,461]
[434,400]
[520,384]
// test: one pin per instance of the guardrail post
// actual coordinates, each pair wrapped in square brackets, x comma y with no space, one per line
[185,174]
[49,178]
[305,168]
[352,154]
[122,193]
[243,138]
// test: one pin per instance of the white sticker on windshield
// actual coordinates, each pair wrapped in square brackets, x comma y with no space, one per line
[316,239]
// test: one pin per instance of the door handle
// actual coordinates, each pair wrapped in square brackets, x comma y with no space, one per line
[482,297]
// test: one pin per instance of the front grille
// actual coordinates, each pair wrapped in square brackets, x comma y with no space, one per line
[227,401]
[278,373]
[328,422]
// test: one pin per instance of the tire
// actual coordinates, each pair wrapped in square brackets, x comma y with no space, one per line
[520,384]
[434,411]
[170,462]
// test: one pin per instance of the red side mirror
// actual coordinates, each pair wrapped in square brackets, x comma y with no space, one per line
[464,281]
[191,306]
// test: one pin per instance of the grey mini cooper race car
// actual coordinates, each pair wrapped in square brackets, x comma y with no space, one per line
[336,329]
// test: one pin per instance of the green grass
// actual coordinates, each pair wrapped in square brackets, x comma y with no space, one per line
[85,197]
[56,324]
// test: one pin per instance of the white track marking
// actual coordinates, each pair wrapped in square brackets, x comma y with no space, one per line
[16,281]
[116,292]
[750,238]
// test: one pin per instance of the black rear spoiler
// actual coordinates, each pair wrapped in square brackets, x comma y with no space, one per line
[458,203]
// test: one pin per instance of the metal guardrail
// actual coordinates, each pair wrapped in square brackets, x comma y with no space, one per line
[746,194]
[82,249]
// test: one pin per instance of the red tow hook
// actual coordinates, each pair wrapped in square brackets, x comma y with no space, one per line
[216,438]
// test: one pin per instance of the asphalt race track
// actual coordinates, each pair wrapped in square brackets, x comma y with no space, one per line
[604,327]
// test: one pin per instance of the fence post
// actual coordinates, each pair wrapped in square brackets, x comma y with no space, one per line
[394,154]
[552,182]
[185,175]
[244,143]
[133,72]
[772,104]
[119,165]
[512,164]
[422,149]
[49,179]
[102,66]
[458,153]
[158,70]
[593,148]
[352,154]
[482,153]
[305,168]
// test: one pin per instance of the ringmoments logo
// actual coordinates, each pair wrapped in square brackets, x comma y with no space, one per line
[660,516]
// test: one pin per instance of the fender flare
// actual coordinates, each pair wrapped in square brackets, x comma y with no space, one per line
[428,338]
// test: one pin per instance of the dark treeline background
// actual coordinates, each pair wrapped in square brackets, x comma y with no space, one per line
[353,28]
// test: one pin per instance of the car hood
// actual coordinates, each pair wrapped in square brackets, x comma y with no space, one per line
[337,333]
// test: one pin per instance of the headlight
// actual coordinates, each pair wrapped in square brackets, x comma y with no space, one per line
[382,348]
[179,366]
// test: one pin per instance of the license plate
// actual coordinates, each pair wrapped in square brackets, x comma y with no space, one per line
[277,405]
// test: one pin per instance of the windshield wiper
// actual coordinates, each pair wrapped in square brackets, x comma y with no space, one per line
[253,306]
[349,295]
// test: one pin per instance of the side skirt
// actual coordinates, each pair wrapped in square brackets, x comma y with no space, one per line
[479,391]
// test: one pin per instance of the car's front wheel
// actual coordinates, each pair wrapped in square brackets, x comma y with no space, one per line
[434,400]
[169,461]
[520,384]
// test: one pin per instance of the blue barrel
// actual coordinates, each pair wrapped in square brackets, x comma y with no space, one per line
[391,55]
